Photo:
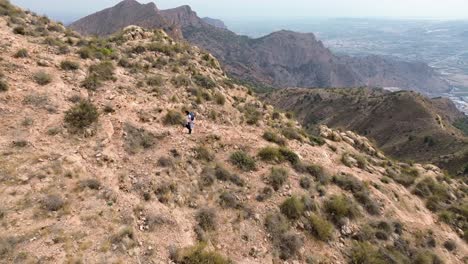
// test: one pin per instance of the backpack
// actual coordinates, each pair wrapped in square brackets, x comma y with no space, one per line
[192,116]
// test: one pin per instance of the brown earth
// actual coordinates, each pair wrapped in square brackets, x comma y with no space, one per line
[128,187]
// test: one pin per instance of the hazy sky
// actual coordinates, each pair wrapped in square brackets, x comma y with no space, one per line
[284,9]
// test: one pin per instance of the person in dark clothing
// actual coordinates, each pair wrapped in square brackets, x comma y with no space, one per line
[190,121]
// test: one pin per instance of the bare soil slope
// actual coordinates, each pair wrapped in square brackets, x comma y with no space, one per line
[96,168]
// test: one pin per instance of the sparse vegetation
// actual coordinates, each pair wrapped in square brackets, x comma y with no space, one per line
[52,202]
[3,86]
[320,227]
[198,255]
[181,81]
[292,208]
[42,78]
[173,118]
[286,242]
[93,184]
[273,137]
[137,139]
[251,113]
[219,98]
[202,153]
[81,115]
[155,81]
[366,253]
[68,65]
[206,219]
[338,207]
[242,161]
[291,133]
[278,177]
[204,81]
[278,155]
[19,30]
[103,71]
[167,162]
[228,200]
[91,82]
[21,53]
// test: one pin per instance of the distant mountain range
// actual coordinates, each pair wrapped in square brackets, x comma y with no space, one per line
[281,59]
[403,124]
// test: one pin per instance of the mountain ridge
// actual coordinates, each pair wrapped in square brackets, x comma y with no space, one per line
[423,131]
[256,61]
[96,167]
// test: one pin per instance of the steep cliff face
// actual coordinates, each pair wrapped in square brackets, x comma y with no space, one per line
[215,22]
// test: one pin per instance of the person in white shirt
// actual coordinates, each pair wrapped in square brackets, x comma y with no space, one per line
[190,121]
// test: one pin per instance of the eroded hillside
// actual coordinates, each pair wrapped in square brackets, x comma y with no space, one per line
[96,168]
[405,125]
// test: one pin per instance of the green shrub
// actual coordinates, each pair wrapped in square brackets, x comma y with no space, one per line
[349,183]
[206,219]
[316,171]
[223,174]
[450,245]
[42,78]
[181,80]
[21,53]
[155,80]
[165,191]
[252,115]
[219,98]
[273,137]
[91,82]
[289,155]
[292,208]
[291,133]
[137,139]
[338,207]
[265,194]
[68,65]
[93,184]
[204,81]
[228,200]
[426,257]
[81,115]
[207,177]
[317,140]
[437,194]
[289,245]
[320,227]
[305,183]
[278,177]
[406,177]
[173,118]
[270,154]
[198,255]
[53,202]
[243,161]
[19,30]
[202,153]
[104,71]
[366,253]
[3,86]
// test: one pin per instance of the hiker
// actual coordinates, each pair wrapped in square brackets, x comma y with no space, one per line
[190,121]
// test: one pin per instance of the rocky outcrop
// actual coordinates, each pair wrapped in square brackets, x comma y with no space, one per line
[215,22]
